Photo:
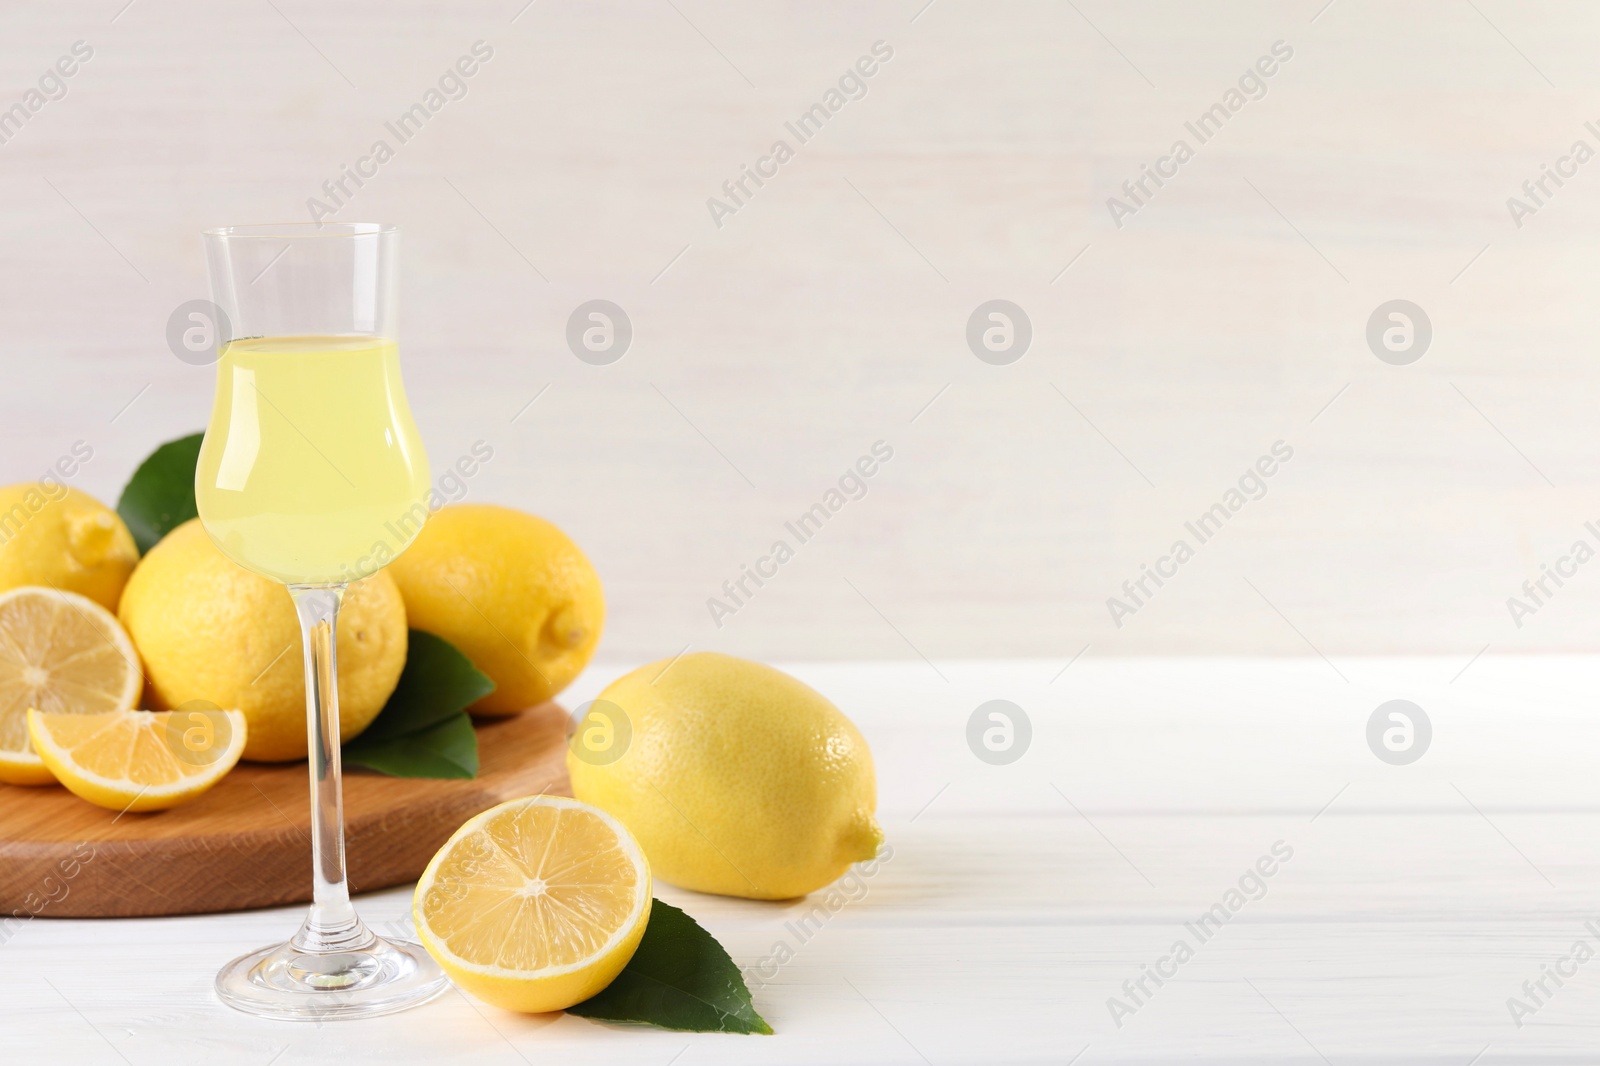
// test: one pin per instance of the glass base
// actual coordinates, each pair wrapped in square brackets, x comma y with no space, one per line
[291,984]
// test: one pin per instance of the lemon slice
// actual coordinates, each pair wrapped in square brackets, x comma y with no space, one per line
[139,760]
[62,653]
[536,904]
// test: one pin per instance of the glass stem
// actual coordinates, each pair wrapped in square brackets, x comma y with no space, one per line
[332,924]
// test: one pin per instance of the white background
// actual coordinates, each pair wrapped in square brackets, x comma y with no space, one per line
[830,310]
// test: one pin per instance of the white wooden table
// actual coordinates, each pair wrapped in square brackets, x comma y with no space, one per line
[1019,898]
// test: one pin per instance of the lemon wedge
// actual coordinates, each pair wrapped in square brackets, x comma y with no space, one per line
[62,653]
[536,904]
[139,760]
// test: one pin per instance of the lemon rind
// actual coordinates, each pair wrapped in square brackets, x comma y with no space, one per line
[641,900]
[23,758]
[29,762]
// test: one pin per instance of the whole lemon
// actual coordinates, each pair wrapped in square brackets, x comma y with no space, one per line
[208,629]
[59,537]
[735,777]
[512,592]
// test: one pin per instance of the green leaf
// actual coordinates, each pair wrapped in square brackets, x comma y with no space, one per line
[680,978]
[438,682]
[423,731]
[448,749]
[160,496]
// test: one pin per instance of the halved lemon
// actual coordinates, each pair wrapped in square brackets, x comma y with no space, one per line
[139,760]
[536,904]
[64,654]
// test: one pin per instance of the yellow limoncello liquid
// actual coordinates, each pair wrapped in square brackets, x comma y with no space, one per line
[312,471]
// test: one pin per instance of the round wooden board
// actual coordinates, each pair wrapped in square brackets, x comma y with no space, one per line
[247,843]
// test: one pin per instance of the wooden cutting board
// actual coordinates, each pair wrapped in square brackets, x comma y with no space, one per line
[247,843]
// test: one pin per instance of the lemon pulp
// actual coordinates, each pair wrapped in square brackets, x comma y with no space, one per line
[536,904]
[138,760]
[61,653]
